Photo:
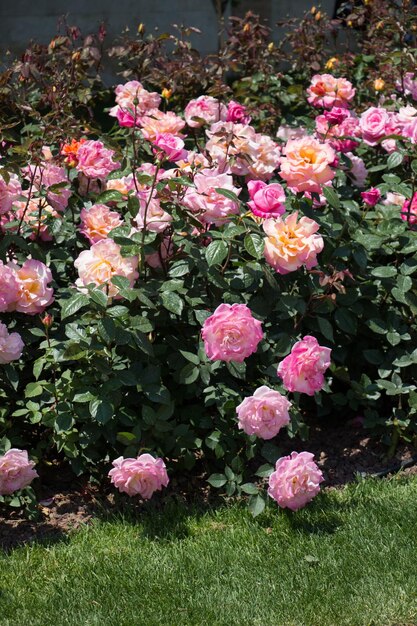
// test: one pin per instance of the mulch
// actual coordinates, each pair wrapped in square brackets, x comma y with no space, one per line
[342,452]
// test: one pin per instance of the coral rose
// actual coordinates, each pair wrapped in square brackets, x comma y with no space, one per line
[16,471]
[306,164]
[231,333]
[290,244]
[302,370]
[264,413]
[100,263]
[327,91]
[141,476]
[11,345]
[296,480]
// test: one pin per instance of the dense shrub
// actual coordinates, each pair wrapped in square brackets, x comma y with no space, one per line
[123,233]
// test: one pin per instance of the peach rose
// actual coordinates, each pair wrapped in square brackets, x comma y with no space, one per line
[290,244]
[98,221]
[34,294]
[306,164]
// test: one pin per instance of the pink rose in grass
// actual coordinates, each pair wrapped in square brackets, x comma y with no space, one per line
[237,113]
[264,413]
[302,370]
[11,345]
[98,221]
[16,471]
[328,91]
[95,161]
[373,124]
[306,164]
[10,191]
[409,210]
[371,197]
[266,200]
[231,333]
[9,288]
[100,263]
[139,477]
[171,146]
[204,110]
[290,244]
[296,480]
[34,295]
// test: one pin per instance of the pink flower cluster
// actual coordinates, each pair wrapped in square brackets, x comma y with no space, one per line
[16,471]
[139,477]
[133,101]
[25,289]
[289,243]
[95,161]
[231,333]
[328,91]
[295,481]
[302,370]
[264,413]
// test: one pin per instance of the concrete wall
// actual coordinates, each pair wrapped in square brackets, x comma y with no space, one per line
[23,20]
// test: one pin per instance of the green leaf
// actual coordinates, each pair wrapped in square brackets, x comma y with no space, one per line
[217,480]
[112,195]
[346,321]
[227,193]
[101,410]
[193,358]
[250,489]
[99,297]
[216,252]
[33,389]
[326,328]
[264,471]
[256,505]
[394,160]
[254,245]
[331,197]
[72,305]
[172,302]
[384,271]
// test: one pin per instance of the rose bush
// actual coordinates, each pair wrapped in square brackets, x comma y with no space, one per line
[185,275]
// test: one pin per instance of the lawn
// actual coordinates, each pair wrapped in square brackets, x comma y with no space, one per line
[347,559]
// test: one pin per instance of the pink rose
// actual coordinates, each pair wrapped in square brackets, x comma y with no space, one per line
[296,480]
[306,164]
[358,172]
[133,100]
[290,244]
[408,85]
[210,206]
[409,210]
[264,413]
[231,333]
[410,130]
[170,145]
[9,288]
[45,176]
[328,91]
[266,200]
[302,370]
[142,476]
[98,221]
[16,471]
[336,115]
[95,161]
[208,110]
[34,294]
[151,216]
[100,263]
[157,122]
[9,192]
[237,113]
[11,345]
[371,197]
[165,252]
[373,124]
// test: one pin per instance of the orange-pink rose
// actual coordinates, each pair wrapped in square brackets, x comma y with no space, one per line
[306,164]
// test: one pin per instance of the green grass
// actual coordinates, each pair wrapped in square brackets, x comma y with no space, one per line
[347,559]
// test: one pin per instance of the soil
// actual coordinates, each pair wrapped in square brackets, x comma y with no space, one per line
[342,452]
